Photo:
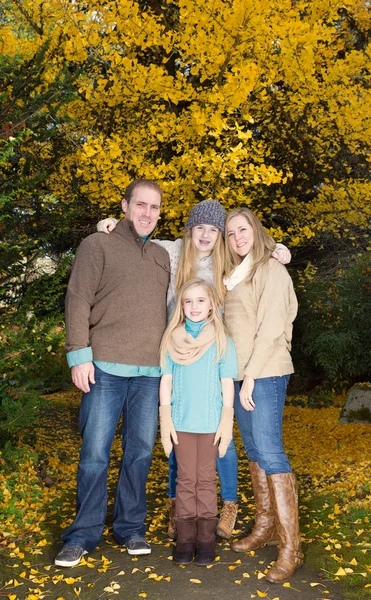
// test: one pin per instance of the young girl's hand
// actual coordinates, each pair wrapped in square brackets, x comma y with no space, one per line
[107,225]
[167,428]
[282,254]
[246,391]
[225,430]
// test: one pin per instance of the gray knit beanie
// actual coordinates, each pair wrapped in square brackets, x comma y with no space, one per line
[208,212]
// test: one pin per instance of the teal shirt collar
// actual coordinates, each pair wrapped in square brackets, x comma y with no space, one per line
[194,328]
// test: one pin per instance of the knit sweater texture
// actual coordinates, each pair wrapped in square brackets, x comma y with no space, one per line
[259,316]
[204,269]
[116,298]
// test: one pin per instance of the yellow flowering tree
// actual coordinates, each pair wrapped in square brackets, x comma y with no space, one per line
[266,104]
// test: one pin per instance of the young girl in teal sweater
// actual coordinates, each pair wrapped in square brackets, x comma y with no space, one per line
[196,413]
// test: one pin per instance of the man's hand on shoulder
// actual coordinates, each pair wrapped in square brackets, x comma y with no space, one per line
[82,375]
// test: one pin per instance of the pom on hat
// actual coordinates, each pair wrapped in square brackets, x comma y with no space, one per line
[207,212]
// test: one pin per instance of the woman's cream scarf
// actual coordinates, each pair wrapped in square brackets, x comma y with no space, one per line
[239,273]
[184,349]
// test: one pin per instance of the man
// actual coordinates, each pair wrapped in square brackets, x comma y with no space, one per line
[115,318]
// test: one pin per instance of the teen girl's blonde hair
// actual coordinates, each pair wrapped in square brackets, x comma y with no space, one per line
[187,268]
[261,250]
[178,318]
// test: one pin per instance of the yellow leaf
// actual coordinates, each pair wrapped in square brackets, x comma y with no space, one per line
[260,575]
[353,562]
[287,584]
[348,570]
[14,597]
[135,570]
[142,595]
[121,573]
[232,567]
[71,580]
[314,584]
[245,575]
[238,581]
[77,591]
[195,581]
[261,594]
[340,572]
[167,578]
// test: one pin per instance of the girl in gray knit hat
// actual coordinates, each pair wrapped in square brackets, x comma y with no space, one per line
[200,253]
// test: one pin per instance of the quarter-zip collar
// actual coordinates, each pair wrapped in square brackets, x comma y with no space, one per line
[126,229]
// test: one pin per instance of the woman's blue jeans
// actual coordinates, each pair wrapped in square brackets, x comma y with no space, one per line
[261,428]
[227,470]
[136,398]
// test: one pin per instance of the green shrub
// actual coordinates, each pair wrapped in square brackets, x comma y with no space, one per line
[333,341]
[32,362]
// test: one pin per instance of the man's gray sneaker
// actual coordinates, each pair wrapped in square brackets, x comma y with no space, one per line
[137,546]
[69,556]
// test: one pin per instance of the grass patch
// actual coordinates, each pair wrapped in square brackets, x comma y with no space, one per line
[338,543]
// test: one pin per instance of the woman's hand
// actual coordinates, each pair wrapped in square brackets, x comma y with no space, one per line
[246,391]
[107,225]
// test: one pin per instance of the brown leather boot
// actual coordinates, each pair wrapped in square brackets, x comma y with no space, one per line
[264,530]
[186,540]
[205,546]
[171,530]
[227,520]
[285,501]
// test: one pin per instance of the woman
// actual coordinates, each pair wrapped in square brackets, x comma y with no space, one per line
[260,307]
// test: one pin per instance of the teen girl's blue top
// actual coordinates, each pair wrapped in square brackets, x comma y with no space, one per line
[196,399]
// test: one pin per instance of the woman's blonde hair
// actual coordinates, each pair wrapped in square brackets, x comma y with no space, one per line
[262,247]
[187,268]
[178,318]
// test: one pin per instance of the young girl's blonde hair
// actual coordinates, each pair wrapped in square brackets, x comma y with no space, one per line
[178,318]
[187,268]
[261,250]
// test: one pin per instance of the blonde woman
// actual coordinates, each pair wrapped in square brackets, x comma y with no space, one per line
[260,308]
[200,253]
[198,363]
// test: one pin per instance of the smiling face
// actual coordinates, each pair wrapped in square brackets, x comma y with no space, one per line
[240,235]
[143,209]
[196,303]
[204,238]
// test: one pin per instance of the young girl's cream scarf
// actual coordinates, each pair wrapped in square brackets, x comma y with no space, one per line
[239,273]
[184,349]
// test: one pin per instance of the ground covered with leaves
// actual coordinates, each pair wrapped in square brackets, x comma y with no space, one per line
[37,491]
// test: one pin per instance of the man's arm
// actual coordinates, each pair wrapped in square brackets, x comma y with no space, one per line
[84,281]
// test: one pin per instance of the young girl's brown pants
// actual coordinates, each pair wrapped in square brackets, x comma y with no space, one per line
[196,482]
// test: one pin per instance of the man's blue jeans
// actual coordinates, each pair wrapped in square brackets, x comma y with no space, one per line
[227,470]
[136,398]
[261,428]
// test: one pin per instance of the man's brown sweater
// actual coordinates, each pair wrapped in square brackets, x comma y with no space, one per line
[116,298]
